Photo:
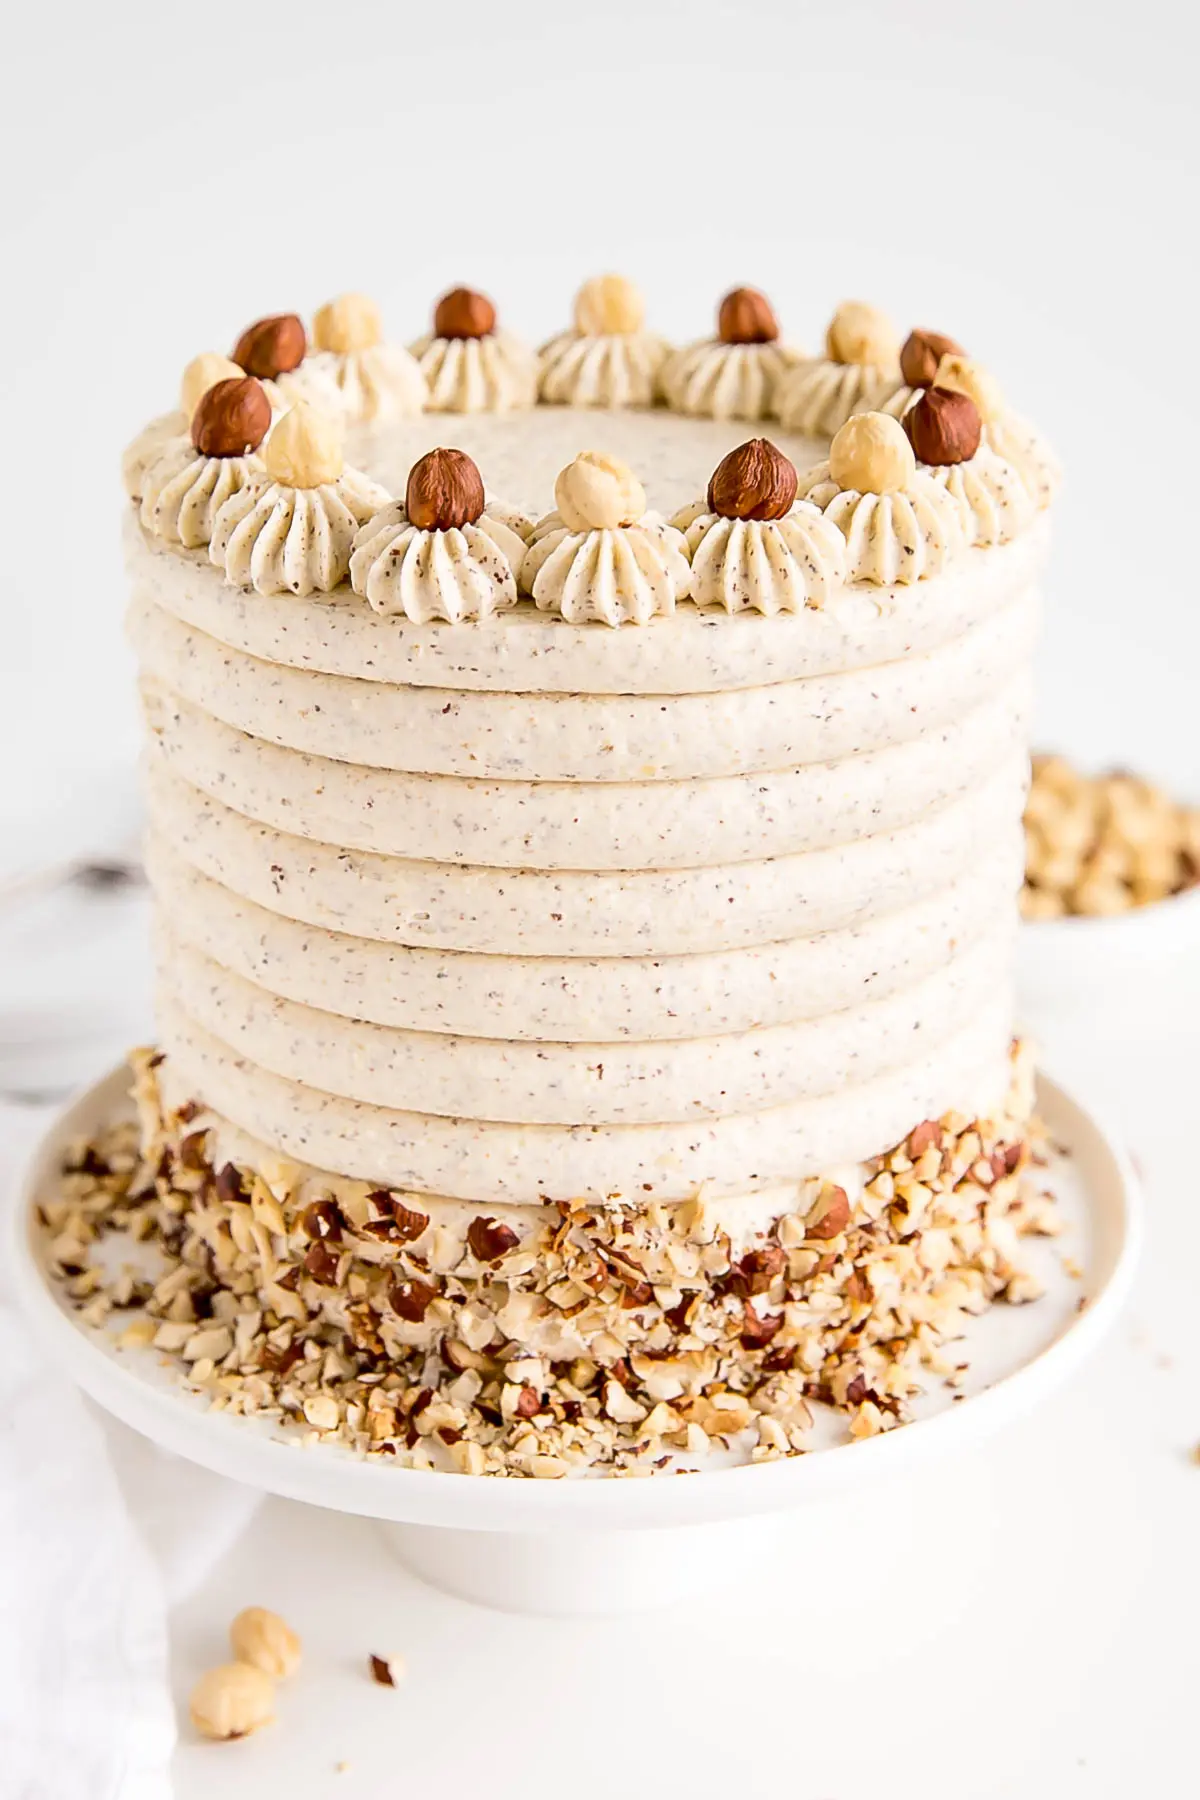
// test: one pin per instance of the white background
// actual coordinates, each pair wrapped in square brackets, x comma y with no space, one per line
[1020,175]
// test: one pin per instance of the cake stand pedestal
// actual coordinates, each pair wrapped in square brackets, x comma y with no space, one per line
[605,1545]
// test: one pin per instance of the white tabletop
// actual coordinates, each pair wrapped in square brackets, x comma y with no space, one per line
[1019,1620]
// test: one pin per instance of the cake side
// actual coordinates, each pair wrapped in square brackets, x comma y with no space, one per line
[581,921]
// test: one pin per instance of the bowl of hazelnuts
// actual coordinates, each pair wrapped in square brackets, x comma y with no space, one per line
[1112,873]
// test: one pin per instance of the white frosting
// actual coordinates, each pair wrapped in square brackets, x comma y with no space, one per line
[485,374]
[485,1160]
[147,447]
[183,491]
[535,998]
[688,653]
[1018,443]
[576,1082]
[584,737]
[896,538]
[996,500]
[371,386]
[468,572]
[624,576]
[571,913]
[765,565]
[819,396]
[528,824]
[614,369]
[285,540]
[508,910]
[715,380]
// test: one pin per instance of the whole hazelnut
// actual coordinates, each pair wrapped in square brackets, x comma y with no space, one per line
[755,481]
[203,372]
[265,1641]
[444,492]
[349,323]
[943,427]
[745,316]
[598,493]
[921,354]
[871,455]
[607,306]
[859,333]
[967,377]
[462,313]
[271,347]
[231,418]
[305,448]
[232,1701]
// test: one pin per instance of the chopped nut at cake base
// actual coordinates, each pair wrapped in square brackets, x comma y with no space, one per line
[596,1337]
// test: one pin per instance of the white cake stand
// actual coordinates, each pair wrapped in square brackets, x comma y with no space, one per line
[606,1545]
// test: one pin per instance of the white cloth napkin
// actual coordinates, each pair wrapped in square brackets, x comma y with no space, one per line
[99,1531]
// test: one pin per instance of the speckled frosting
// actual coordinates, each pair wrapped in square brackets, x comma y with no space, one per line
[763,565]
[503,866]
[292,540]
[495,373]
[714,380]
[465,573]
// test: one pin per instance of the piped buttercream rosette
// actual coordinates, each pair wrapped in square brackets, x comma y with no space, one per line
[468,364]
[441,553]
[190,480]
[737,374]
[899,525]
[945,430]
[753,545]
[1012,438]
[599,556]
[351,369]
[291,530]
[609,358]
[203,372]
[860,368]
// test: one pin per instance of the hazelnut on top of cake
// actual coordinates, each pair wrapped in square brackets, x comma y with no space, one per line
[945,430]
[468,363]
[290,529]
[898,523]
[920,354]
[608,358]
[600,555]
[735,375]
[860,367]
[438,554]
[1010,436]
[352,367]
[202,373]
[753,545]
[186,485]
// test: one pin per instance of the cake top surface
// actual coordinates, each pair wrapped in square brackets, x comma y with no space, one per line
[886,464]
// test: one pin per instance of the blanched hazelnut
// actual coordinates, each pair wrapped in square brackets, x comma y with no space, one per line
[859,333]
[265,1641]
[608,305]
[872,455]
[305,448]
[598,493]
[967,377]
[349,323]
[232,1701]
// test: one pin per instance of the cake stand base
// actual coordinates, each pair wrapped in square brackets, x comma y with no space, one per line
[607,1545]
